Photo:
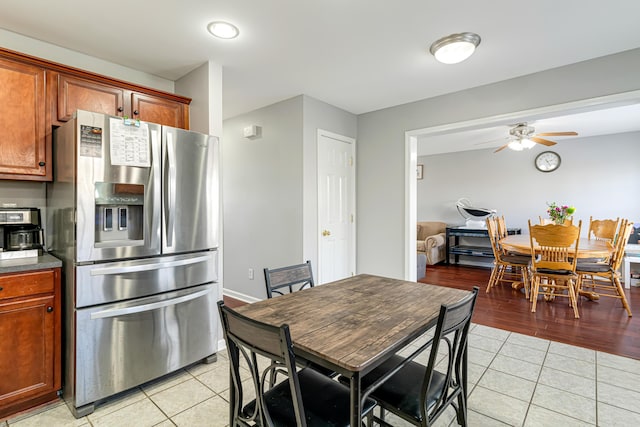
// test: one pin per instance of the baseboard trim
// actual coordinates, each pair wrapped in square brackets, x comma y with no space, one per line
[239,296]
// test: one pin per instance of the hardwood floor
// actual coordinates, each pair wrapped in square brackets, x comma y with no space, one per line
[603,324]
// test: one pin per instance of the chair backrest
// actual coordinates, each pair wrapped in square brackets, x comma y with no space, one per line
[554,246]
[492,231]
[603,229]
[292,278]
[626,227]
[502,227]
[246,338]
[451,331]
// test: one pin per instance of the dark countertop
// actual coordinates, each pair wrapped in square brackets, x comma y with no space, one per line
[28,264]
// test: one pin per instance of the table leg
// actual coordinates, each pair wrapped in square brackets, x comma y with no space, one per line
[356,390]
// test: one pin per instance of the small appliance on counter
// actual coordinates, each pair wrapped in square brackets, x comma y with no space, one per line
[21,234]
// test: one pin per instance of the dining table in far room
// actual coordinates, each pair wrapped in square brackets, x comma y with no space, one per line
[353,325]
[587,248]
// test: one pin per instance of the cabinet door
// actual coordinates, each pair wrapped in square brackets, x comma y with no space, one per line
[27,360]
[23,153]
[159,110]
[75,93]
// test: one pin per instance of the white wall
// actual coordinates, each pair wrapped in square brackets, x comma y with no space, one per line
[40,49]
[596,175]
[262,195]
[381,141]
[270,193]
[204,86]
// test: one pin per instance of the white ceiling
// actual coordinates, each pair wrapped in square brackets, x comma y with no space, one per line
[359,55]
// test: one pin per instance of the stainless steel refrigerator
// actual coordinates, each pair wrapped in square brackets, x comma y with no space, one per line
[133,213]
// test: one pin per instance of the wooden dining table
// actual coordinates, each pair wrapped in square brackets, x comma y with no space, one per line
[353,325]
[587,248]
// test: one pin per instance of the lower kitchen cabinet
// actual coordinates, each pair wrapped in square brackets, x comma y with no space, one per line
[30,326]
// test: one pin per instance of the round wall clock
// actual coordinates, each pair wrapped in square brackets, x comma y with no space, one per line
[547,161]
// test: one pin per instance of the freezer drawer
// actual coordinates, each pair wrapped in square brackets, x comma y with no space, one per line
[122,280]
[119,346]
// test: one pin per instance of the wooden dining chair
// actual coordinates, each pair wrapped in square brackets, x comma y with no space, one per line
[603,229]
[506,267]
[288,279]
[604,277]
[501,227]
[305,398]
[554,254]
[417,393]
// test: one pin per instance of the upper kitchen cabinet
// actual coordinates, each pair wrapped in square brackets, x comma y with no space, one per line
[99,95]
[159,110]
[75,93]
[25,143]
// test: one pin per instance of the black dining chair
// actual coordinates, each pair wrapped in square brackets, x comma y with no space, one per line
[420,394]
[305,398]
[292,278]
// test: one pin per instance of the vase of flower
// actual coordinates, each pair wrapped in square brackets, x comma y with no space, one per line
[559,213]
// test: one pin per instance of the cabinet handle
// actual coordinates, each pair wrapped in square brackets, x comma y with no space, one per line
[120,109]
[41,164]
[49,309]
[1,288]
[135,112]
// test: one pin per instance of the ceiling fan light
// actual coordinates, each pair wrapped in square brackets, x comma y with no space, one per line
[515,145]
[527,143]
[455,47]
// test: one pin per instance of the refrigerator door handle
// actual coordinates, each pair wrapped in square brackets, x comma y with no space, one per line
[105,271]
[171,188]
[115,312]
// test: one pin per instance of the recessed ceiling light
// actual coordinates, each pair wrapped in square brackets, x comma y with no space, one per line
[223,30]
[455,48]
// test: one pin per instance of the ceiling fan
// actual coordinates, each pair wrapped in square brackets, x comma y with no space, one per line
[522,136]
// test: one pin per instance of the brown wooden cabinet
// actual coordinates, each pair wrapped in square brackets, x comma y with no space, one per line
[36,95]
[159,110]
[78,93]
[30,354]
[24,142]
[75,93]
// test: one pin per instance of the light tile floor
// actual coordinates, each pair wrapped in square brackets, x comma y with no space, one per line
[515,380]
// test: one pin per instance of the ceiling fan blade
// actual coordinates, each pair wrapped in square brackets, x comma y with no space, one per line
[501,148]
[557,134]
[542,141]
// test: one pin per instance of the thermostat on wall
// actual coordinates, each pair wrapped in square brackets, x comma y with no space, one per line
[251,131]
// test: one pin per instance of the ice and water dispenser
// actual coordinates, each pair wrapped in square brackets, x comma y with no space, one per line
[119,214]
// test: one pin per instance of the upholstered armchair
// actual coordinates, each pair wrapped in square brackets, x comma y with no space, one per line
[431,240]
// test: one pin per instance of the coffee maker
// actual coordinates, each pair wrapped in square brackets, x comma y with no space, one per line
[20,229]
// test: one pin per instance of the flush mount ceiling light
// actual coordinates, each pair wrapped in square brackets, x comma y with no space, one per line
[455,48]
[223,30]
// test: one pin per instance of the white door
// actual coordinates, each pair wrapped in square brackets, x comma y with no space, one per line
[336,207]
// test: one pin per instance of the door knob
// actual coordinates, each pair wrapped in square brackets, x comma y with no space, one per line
[326,233]
[49,309]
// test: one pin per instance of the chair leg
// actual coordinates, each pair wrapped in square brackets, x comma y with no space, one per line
[461,410]
[492,277]
[572,298]
[616,283]
[524,271]
[534,293]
